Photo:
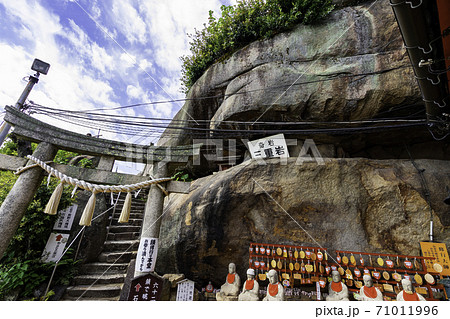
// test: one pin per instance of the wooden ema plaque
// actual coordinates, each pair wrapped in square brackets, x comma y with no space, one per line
[387,271]
[296,265]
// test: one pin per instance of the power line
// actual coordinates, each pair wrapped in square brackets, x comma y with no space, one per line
[271,88]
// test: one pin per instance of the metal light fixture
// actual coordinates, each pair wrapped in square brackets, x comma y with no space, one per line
[40,66]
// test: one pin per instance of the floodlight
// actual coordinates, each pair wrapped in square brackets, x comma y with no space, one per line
[40,66]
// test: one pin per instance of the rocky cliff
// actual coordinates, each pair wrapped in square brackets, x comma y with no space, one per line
[351,66]
[347,204]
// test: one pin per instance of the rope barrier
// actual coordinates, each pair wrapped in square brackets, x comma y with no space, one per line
[86,217]
[94,188]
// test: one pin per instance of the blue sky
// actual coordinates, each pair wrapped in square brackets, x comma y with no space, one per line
[103,53]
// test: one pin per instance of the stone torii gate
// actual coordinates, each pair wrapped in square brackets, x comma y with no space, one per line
[51,138]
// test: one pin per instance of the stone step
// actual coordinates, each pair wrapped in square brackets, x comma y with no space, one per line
[120,257]
[134,208]
[95,291]
[123,236]
[99,279]
[121,245]
[131,222]
[67,298]
[134,203]
[99,268]
[124,228]
[133,215]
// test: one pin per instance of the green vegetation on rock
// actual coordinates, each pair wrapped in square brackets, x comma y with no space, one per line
[242,24]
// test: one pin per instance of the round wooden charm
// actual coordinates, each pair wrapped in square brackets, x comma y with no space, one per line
[302,254]
[353,260]
[313,257]
[279,251]
[345,260]
[386,275]
[341,271]
[429,279]
[437,267]
[296,254]
[418,279]
[297,266]
[349,282]
[279,265]
[380,261]
[291,266]
[273,263]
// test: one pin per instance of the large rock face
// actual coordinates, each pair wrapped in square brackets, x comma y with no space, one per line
[350,66]
[348,204]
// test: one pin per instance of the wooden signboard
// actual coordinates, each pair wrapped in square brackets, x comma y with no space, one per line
[440,253]
[145,288]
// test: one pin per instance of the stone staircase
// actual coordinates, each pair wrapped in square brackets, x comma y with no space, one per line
[103,279]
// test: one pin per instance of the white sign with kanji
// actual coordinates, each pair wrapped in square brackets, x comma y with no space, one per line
[55,247]
[147,253]
[269,147]
[65,218]
[185,290]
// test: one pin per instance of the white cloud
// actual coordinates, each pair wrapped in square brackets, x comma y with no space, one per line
[129,22]
[88,69]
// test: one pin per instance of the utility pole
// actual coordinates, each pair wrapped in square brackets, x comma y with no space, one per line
[38,66]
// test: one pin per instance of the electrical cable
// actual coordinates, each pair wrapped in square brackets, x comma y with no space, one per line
[330,78]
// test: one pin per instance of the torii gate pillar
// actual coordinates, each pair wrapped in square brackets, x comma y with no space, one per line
[21,195]
[154,208]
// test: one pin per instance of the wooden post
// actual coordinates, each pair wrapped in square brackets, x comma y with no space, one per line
[153,208]
[21,195]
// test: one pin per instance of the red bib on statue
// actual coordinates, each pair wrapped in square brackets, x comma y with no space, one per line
[370,292]
[273,289]
[249,284]
[410,297]
[336,286]
[230,278]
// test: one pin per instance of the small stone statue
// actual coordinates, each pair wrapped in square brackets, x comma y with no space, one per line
[230,289]
[250,291]
[337,290]
[275,290]
[368,292]
[407,294]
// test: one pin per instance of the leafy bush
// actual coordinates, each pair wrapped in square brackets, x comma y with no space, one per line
[20,266]
[247,21]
